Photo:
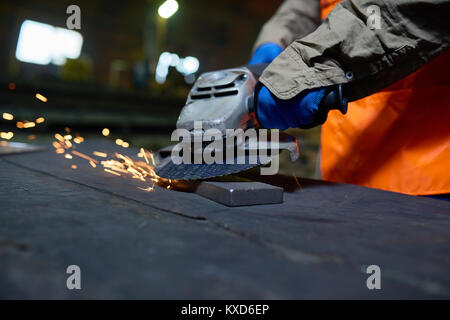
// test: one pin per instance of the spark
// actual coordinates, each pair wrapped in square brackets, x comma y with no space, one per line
[125,144]
[113,172]
[74,166]
[68,156]
[105,132]
[7,116]
[298,183]
[19,124]
[60,150]
[68,137]
[100,154]
[6,135]
[92,164]
[119,142]
[59,137]
[145,156]
[29,124]
[148,189]
[153,159]
[41,97]
[40,120]
[82,155]
[78,140]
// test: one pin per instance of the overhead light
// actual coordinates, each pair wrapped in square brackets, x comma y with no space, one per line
[186,66]
[41,43]
[167,9]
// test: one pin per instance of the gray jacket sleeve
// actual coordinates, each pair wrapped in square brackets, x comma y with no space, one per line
[346,49]
[293,20]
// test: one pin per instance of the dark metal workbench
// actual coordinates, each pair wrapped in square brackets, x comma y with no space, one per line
[168,244]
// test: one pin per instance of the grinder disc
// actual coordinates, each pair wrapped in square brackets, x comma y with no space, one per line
[170,170]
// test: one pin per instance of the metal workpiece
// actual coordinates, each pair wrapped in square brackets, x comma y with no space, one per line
[234,194]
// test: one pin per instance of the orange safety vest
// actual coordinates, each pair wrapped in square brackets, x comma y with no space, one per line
[397,139]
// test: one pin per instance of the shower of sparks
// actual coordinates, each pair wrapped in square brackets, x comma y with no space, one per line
[41,97]
[7,116]
[119,165]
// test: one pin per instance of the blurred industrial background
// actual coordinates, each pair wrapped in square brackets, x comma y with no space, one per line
[128,68]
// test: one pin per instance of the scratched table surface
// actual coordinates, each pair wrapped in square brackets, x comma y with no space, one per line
[169,244]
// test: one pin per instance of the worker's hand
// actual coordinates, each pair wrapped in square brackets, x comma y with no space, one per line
[265,53]
[300,111]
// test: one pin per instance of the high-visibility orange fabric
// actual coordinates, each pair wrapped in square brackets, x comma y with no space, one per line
[397,139]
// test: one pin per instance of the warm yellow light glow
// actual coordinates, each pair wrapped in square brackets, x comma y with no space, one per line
[41,97]
[7,116]
[29,125]
[167,9]
[100,154]
[6,135]
[40,120]
[105,132]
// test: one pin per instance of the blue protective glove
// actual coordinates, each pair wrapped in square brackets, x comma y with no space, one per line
[265,53]
[300,111]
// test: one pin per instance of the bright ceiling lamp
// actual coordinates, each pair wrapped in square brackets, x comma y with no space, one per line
[167,9]
[41,43]
[186,66]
